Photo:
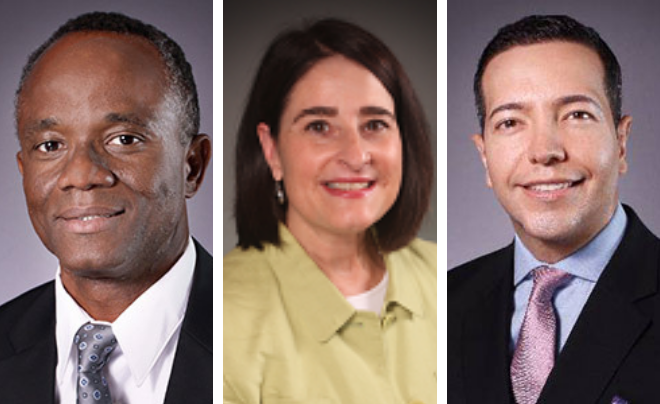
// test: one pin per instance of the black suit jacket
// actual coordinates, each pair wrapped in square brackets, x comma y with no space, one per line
[613,349]
[28,354]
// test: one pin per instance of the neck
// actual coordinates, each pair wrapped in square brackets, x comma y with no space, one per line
[351,261]
[104,298]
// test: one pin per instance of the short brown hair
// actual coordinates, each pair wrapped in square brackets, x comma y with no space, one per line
[292,54]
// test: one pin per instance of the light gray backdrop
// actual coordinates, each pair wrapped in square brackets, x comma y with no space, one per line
[24,25]
[407,27]
[476,223]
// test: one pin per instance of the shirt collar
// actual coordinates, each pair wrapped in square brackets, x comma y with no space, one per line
[308,293]
[587,263]
[160,309]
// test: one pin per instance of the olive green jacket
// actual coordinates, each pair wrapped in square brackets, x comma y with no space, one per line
[291,337]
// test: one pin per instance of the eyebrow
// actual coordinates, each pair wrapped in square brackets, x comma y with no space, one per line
[376,111]
[322,111]
[41,125]
[563,101]
[133,119]
[572,99]
[331,111]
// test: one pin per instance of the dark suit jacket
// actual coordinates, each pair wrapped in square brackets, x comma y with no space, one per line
[613,350]
[28,354]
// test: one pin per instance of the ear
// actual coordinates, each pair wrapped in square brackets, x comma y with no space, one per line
[197,160]
[478,141]
[622,133]
[269,148]
[19,160]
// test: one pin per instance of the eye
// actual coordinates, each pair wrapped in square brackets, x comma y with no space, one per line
[376,125]
[125,140]
[506,124]
[580,115]
[318,127]
[49,146]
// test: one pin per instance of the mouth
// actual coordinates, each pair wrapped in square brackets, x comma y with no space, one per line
[351,188]
[551,189]
[89,220]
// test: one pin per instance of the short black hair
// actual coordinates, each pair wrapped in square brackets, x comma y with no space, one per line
[537,29]
[177,68]
[290,56]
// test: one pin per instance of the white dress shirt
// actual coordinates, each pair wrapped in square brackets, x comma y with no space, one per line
[147,333]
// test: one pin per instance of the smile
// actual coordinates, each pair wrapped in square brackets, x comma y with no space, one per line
[348,186]
[551,191]
[550,187]
[89,220]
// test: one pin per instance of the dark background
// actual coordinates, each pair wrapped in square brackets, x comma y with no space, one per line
[407,27]
[476,222]
[24,25]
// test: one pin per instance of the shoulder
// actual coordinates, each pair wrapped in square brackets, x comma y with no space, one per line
[15,308]
[250,290]
[479,273]
[247,269]
[420,254]
[36,301]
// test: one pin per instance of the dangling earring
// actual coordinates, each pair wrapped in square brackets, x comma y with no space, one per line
[279,192]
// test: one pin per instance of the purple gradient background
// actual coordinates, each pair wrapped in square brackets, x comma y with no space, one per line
[407,27]
[476,222]
[24,25]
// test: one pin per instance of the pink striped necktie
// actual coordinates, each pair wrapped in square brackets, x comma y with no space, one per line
[534,356]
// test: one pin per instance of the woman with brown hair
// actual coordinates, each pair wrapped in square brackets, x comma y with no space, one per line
[328,296]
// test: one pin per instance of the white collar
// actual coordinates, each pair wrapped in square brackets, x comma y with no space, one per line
[160,309]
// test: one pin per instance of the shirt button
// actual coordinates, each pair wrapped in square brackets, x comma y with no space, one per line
[389,320]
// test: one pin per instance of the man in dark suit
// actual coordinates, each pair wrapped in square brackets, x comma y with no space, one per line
[570,311]
[108,120]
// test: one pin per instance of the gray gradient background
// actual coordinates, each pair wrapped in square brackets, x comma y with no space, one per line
[408,28]
[476,222]
[24,25]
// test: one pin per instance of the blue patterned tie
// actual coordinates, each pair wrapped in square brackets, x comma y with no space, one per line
[94,342]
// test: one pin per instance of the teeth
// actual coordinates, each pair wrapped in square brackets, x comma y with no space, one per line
[88,218]
[550,187]
[348,186]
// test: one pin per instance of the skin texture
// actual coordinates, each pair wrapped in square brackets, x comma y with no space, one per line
[338,126]
[97,141]
[550,122]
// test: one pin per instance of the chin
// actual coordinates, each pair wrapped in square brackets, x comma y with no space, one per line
[88,263]
[551,228]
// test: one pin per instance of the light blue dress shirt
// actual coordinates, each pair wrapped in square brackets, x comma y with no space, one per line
[586,266]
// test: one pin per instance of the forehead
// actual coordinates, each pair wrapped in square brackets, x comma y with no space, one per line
[94,69]
[543,71]
[337,81]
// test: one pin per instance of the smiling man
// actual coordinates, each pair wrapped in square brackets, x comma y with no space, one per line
[107,120]
[569,311]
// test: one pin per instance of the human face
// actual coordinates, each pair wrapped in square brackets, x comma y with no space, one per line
[552,153]
[104,171]
[338,151]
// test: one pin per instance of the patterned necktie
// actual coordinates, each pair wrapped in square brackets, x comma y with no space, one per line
[95,342]
[534,356]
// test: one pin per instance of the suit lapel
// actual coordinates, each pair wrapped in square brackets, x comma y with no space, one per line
[27,375]
[486,331]
[192,373]
[610,322]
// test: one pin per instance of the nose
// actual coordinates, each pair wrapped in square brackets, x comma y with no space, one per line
[546,146]
[354,153]
[85,170]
